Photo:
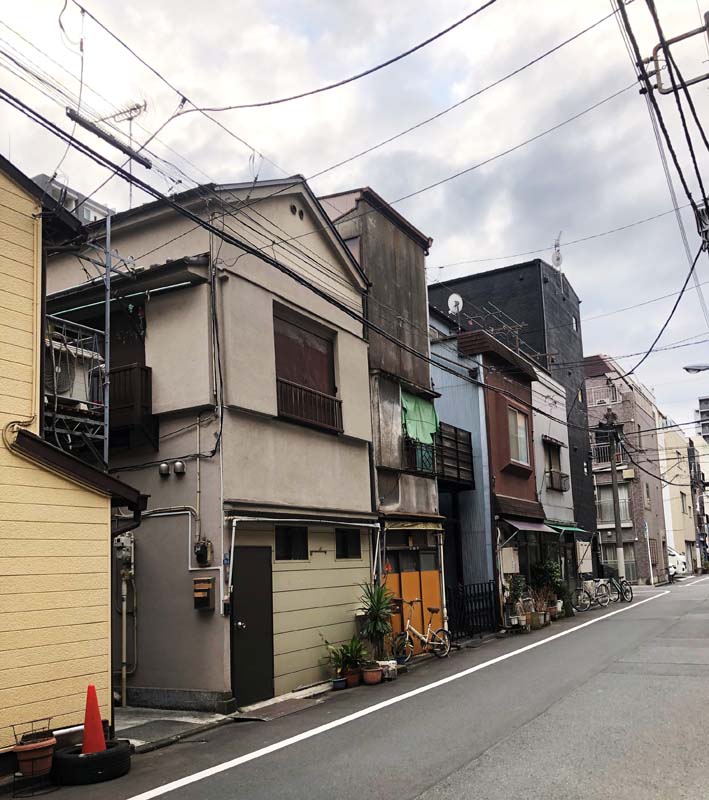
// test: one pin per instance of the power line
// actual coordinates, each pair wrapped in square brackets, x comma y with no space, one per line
[450,108]
[345,81]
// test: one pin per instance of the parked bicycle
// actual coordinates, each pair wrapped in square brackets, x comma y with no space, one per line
[437,642]
[590,592]
[620,590]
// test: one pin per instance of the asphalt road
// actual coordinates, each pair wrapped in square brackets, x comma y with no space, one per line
[615,708]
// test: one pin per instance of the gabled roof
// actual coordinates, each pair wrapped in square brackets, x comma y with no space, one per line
[59,223]
[281,186]
[375,200]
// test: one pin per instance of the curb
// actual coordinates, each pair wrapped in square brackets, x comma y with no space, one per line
[158,744]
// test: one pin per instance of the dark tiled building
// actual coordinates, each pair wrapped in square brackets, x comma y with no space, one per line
[534,303]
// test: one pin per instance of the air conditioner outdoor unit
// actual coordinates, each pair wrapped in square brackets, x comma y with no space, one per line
[72,373]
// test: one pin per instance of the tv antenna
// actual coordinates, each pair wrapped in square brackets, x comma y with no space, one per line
[455,306]
[128,114]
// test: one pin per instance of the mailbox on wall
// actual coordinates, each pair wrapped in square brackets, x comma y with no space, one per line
[203,593]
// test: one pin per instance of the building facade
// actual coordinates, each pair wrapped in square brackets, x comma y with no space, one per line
[55,511]
[240,403]
[533,308]
[640,485]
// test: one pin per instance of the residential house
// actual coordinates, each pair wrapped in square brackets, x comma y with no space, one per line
[55,511]
[240,403]
[533,308]
[639,479]
[392,252]
[673,460]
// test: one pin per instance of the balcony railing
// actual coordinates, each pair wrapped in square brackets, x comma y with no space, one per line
[308,406]
[601,454]
[604,511]
[454,454]
[419,457]
[559,481]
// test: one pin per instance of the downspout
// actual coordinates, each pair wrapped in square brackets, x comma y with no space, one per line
[442,579]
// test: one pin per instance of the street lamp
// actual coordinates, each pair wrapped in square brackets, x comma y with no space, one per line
[694,368]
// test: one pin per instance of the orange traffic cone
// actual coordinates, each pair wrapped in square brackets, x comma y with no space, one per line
[94,740]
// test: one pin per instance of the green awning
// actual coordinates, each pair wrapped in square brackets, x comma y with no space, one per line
[418,417]
[571,529]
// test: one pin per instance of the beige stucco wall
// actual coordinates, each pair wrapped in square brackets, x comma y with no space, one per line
[679,525]
[312,601]
[54,535]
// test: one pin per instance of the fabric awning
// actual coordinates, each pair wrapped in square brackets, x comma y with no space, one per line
[419,417]
[410,525]
[585,535]
[524,525]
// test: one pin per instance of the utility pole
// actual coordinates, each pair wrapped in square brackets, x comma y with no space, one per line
[107,343]
[610,425]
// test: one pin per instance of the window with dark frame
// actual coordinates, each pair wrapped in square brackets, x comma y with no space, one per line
[348,543]
[291,543]
[518,433]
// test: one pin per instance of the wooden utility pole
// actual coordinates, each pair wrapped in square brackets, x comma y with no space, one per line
[611,427]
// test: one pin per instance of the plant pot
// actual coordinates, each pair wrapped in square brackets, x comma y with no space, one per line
[537,620]
[372,675]
[547,618]
[35,758]
[559,606]
[553,612]
[400,660]
[352,677]
[339,683]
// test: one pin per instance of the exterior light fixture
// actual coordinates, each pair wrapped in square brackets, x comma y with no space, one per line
[164,469]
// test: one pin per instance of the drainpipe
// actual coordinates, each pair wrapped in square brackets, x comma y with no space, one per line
[442,579]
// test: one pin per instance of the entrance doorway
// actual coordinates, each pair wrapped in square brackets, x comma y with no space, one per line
[252,626]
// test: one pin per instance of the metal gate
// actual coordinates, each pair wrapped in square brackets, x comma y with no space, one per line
[472,609]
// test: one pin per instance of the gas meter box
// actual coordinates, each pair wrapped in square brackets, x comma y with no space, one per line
[203,593]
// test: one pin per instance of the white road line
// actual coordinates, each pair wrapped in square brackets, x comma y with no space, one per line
[699,580]
[300,737]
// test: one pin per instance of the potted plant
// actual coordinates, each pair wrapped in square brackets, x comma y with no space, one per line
[336,659]
[353,655]
[397,648]
[540,598]
[34,752]
[515,607]
[372,673]
[377,608]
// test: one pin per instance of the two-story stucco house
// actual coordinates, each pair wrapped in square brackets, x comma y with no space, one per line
[240,403]
[55,510]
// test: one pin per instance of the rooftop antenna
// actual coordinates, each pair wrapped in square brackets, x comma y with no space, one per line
[128,114]
[556,257]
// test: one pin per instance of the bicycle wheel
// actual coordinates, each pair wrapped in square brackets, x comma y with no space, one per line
[404,645]
[440,643]
[581,600]
[627,590]
[615,592]
[603,595]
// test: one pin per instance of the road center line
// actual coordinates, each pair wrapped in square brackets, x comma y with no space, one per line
[699,580]
[300,737]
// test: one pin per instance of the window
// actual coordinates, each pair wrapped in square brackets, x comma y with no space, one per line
[291,543]
[555,479]
[653,551]
[305,374]
[683,500]
[579,396]
[348,543]
[575,323]
[640,437]
[519,446]
[647,495]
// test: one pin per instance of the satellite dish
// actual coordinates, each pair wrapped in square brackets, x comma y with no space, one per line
[556,258]
[455,304]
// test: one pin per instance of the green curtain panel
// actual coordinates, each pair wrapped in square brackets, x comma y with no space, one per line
[418,417]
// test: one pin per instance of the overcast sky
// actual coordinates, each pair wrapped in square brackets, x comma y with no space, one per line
[596,173]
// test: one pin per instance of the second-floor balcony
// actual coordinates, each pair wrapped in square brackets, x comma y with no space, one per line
[454,454]
[419,457]
[308,406]
[601,454]
[604,511]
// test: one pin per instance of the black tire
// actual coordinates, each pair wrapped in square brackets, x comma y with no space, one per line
[405,646]
[581,600]
[627,590]
[441,643]
[615,593]
[603,595]
[71,768]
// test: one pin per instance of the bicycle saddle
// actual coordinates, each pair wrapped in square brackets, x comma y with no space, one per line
[433,610]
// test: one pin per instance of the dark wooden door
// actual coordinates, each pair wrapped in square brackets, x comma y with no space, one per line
[252,626]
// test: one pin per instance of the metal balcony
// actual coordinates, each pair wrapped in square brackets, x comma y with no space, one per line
[308,406]
[601,454]
[419,457]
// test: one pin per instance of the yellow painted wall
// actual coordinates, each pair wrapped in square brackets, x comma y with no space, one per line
[311,600]
[54,534]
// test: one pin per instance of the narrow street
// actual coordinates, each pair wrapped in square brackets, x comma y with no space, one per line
[598,706]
